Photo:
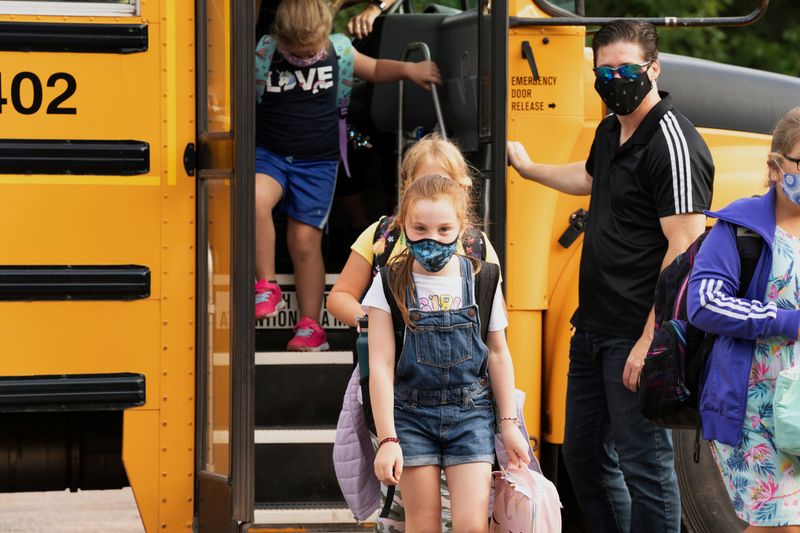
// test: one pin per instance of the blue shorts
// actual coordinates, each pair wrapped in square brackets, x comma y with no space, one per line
[307,185]
[445,434]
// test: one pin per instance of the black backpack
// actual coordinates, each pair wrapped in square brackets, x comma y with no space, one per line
[471,241]
[486,281]
[670,382]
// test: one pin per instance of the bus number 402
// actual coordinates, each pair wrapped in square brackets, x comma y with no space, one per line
[55,106]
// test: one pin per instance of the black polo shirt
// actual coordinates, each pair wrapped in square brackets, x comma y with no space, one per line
[664,169]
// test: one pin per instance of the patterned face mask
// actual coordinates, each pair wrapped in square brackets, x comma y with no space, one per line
[623,96]
[298,61]
[791,187]
[431,254]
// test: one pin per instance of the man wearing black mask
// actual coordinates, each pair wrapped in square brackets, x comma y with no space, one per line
[650,176]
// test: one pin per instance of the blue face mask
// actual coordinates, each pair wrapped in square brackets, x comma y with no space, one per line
[431,254]
[791,187]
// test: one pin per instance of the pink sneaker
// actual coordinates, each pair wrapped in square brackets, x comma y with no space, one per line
[268,299]
[308,337]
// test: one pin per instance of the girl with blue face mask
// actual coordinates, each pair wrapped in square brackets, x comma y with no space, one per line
[434,408]
[756,328]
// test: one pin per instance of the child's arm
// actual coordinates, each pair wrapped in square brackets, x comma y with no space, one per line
[501,375]
[389,459]
[387,71]
[343,301]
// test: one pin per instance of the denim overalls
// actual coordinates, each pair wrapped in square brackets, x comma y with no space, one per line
[443,409]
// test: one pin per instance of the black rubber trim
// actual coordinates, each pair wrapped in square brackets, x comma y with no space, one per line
[72,392]
[87,38]
[66,282]
[112,158]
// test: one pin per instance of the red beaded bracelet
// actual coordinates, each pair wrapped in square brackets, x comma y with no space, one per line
[388,439]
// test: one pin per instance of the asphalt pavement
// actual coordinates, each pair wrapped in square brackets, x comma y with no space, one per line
[96,511]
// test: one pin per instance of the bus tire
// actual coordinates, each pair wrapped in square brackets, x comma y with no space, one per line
[705,505]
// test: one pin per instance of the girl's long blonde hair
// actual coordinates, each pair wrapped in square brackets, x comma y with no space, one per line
[431,187]
[302,22]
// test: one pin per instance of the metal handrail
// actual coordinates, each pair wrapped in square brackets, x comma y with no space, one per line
[426,54]
[561,17]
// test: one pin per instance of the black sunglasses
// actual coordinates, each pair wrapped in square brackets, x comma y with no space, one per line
[630,71]
[793,160]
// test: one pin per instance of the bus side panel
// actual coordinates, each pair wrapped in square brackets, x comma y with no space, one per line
[141,217]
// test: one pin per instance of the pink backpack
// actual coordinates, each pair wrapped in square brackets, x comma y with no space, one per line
[524,502]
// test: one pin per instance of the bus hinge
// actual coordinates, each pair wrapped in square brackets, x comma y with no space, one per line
[190,159]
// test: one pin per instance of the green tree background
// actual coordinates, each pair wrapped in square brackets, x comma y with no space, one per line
[771,44]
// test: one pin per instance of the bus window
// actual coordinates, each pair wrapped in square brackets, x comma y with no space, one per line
[100,8]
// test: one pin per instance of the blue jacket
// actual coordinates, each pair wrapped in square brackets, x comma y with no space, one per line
[712,306]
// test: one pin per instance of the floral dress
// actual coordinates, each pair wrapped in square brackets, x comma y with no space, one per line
[763,482]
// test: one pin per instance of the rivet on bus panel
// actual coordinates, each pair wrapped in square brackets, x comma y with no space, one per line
[164,398]
[163,500]
[163,449]
[165,348]
[165,425]
[164,526]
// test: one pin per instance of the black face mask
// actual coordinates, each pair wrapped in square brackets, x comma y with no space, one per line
[623,96]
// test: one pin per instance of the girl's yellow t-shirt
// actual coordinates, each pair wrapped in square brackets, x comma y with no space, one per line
[364,245]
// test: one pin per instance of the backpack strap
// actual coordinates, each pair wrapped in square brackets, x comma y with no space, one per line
[390,240]
[749,245]
[265,49]
[485,286]
[473,243]
[345,54]
[398,325]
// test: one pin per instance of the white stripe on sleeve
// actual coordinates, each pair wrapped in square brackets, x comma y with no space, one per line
[713,299]
[686,160]
[668,138]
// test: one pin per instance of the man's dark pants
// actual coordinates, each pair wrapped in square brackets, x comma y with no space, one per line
[620,463]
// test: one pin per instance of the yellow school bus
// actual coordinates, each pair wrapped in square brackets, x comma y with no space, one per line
[126,279]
